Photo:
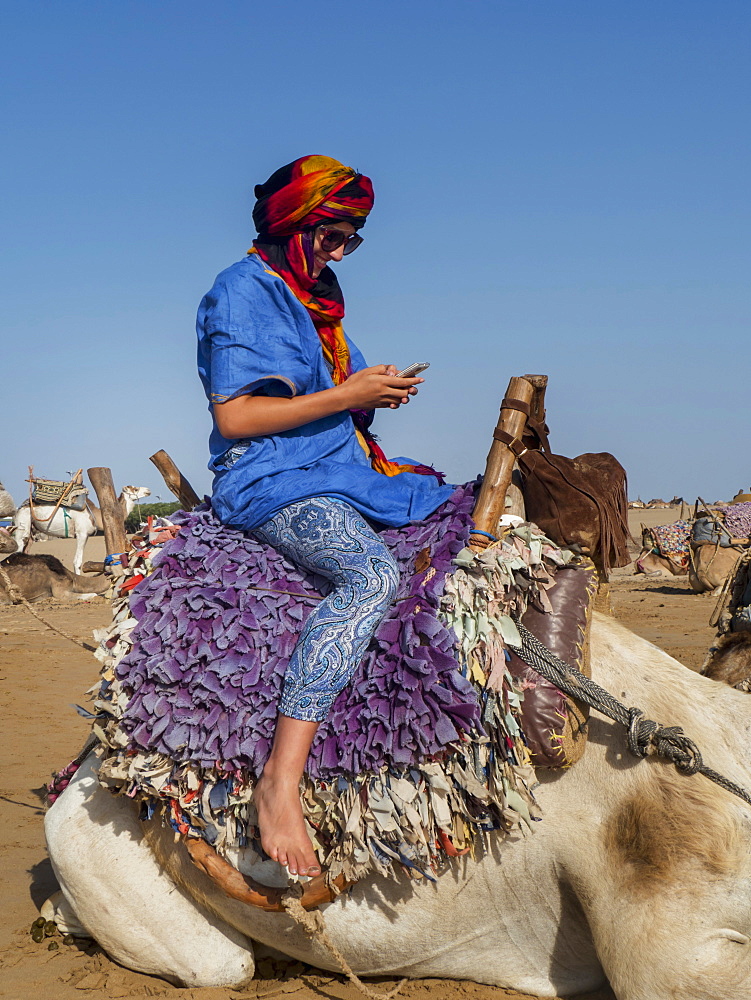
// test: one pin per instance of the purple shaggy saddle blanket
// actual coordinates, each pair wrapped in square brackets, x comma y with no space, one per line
[218,620]
[413,762]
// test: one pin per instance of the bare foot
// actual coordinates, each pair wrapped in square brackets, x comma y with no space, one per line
[283,834]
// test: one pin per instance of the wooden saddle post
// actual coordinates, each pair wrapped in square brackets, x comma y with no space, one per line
[175,480]
[525,397]
[113,521]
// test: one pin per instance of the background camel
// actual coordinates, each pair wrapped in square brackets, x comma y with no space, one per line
[729,656]
[664,549]
[66,523]
[636,874]
[710,565]
[729,660]
[7,542]
[7,507]
[38,577]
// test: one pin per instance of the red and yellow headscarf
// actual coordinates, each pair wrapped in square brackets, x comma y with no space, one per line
[293,201]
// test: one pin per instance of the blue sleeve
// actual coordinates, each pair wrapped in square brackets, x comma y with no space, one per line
[249,340]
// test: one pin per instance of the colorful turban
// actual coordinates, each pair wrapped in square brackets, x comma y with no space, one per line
[293,201]
[309,191]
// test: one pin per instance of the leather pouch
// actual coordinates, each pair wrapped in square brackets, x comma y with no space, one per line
[555,726]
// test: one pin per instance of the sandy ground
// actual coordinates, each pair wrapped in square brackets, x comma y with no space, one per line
[41,732]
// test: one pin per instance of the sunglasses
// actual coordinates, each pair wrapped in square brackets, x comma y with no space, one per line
[332,239]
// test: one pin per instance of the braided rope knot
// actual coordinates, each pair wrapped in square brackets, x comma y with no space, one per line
[647,738]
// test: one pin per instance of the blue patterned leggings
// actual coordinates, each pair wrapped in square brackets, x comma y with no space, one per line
[332,539]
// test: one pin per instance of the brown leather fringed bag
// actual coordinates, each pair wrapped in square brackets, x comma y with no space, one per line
[580,500]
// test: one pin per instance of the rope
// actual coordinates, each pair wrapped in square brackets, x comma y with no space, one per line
[645,737]
[17,597]
[312,924]
[91,743]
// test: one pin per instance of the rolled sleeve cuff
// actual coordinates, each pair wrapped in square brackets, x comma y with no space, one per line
[284,387]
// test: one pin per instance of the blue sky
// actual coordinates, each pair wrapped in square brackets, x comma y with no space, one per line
[561,187]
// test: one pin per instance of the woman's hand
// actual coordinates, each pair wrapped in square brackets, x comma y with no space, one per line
[378,387]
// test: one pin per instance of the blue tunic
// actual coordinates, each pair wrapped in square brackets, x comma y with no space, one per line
[253,333]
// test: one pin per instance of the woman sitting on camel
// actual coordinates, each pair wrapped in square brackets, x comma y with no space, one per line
[294,461]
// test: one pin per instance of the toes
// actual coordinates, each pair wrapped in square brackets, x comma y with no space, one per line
[297,865]
[309,865]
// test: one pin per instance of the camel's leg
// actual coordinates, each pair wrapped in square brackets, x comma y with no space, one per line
[63,593]
[22,533]
[125,899]
[82,536]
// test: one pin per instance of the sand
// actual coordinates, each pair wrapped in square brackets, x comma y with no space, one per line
[42,732]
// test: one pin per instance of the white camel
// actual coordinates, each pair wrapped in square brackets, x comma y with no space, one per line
[67,523]
[636,875]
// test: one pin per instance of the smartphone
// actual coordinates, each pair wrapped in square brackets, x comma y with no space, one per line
[414,370]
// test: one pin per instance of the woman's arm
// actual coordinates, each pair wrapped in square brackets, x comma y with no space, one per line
[368,389]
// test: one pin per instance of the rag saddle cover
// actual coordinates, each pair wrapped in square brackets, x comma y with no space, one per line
[423,756]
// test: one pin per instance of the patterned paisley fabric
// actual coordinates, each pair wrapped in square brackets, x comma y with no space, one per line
[330,538]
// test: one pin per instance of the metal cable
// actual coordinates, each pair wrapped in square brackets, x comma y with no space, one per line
[645,738]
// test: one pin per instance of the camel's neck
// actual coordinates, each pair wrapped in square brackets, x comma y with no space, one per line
[96,515]
[125,503]
[642,676]
[665,846]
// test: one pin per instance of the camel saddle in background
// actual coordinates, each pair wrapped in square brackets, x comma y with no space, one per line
[70,494]
[555,726]
[575,501]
